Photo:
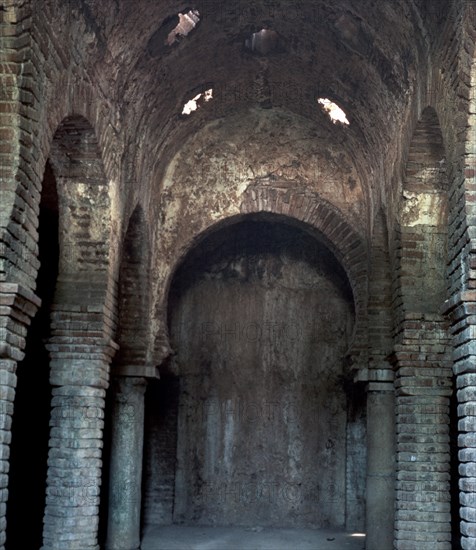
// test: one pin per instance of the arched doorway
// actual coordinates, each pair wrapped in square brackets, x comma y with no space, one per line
[267,430]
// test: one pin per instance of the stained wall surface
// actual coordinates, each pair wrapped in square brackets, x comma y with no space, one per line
[261,327]
[92,129]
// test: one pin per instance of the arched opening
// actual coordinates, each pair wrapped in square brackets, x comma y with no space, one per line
[73,253]
[261,425]
[74,319]
[380,295]
[133,293]
[423,376]
[132,332]
[30,426]
[424,220]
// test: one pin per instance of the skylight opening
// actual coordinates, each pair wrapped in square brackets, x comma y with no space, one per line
[336,114]
[187,22]
[197,101]
[263,42]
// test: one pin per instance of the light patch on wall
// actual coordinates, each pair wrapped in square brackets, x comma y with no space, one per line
[197,101]
[187,22]
[423,209]
[336,114]
[264,42]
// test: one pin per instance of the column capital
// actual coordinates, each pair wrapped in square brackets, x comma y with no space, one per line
[384,375]
[80,361]
[381,386]
[136,371]
[18,305]
[461,307]
[23,295]
[78,346]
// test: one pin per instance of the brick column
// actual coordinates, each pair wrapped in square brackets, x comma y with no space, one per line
[17,308]
[79,374]
[380,501]
[462,312]
[125,481]
[423,388]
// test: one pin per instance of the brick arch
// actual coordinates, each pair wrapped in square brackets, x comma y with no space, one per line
[83,319]
[420,359]
[421,238]
[70,99]
[469,158]
[133,296]
[316,216]
[462,300]
[324,219]
[83,304]
[380,294]
[76,139]
[80,100]
[84,202]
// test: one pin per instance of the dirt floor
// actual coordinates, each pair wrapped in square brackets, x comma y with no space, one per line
[177,537]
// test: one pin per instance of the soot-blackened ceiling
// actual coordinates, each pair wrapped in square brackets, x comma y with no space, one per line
[368,56]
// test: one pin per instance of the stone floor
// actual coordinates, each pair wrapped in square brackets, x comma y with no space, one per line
[177,537]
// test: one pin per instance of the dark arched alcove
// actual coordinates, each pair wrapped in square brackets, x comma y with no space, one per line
[261,317]
[30,427]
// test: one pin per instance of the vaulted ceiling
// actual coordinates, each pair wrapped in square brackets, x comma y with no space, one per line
[369,56]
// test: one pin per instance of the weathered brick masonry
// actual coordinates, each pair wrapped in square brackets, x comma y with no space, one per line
[92,135]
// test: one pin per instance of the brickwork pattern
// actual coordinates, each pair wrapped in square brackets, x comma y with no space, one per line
[423,386]
[423,376]
[80,372]
[55,61]
[330,225]
[81,352]
[455,95]
[133,299]
[17,307]
[462,310]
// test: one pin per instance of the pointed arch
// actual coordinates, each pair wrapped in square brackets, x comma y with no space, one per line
[380,293]
[423,382]
[82,326]
[133,300]
[322,218]
[84,203]
[423,222]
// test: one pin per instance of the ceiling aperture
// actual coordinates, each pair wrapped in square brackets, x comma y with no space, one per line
[352,67]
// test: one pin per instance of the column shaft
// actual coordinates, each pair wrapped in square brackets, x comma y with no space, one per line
[74,468]
[79,372]
[126,464]
[423,387]
[380,502]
